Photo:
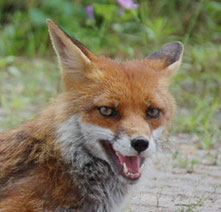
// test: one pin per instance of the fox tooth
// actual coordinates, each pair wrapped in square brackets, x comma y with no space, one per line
[125,167]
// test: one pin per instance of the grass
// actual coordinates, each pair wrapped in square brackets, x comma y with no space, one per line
[30,79]
[197,89]
[26,86]
[158,196]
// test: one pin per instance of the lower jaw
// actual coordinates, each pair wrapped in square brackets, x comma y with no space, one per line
[131,177]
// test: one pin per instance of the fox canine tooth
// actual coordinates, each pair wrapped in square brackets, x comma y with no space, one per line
[125,167]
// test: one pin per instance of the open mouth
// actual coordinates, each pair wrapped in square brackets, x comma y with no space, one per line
[130,167]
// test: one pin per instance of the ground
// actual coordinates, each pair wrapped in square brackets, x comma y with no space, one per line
[184,179]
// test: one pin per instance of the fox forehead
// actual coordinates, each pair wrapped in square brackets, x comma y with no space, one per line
[126,83]
[144,71]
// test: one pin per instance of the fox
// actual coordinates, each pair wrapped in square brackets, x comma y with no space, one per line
[88,151]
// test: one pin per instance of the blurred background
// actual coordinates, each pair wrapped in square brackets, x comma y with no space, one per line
[30,77]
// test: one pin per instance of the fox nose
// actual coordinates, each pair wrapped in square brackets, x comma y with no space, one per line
[140,144]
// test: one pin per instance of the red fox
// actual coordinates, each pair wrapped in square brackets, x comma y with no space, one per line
[88,150]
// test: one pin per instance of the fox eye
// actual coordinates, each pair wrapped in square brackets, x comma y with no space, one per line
[153,112]
[107,111]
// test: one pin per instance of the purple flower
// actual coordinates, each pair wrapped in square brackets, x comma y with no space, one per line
[121,12]
[90,11]
[128,4]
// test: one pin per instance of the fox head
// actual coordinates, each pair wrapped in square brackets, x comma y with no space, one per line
[116,110]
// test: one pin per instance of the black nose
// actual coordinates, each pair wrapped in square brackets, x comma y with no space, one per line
[140,144]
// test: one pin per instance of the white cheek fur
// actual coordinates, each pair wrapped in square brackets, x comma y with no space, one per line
[92,135]
[68,136]
[74,132]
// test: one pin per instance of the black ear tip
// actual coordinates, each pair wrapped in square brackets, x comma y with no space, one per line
[171,52]
[179,43]
[176,45]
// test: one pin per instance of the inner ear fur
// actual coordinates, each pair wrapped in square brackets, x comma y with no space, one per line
[167,59]
[74,58]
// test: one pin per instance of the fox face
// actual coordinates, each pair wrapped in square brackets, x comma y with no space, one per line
[115,110]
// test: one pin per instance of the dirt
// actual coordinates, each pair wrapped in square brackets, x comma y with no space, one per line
[185,178]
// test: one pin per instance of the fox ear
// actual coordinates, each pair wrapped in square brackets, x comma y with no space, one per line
[168,59]
[73,56]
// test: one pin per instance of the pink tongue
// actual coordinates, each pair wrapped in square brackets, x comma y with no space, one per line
[132,162]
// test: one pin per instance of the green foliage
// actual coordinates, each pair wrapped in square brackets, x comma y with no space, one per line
[133,33]
[25,86]
[23,27]
[198,89]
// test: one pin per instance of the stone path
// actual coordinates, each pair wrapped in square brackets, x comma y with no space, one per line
[184,180]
